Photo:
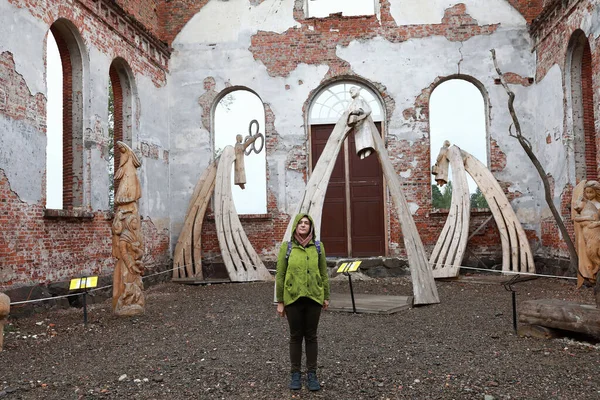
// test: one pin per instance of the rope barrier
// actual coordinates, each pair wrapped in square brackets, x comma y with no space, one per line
[92,290]
[507,272]
[184,266]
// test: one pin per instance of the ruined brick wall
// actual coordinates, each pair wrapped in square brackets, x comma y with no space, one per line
[145,12]
[36,250]
[529,8]
[552,32]
[175,14]
[38,246]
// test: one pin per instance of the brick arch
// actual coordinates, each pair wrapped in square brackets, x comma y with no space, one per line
[581,98]
[72,54]
[124,95]
[217,97]
[424,99]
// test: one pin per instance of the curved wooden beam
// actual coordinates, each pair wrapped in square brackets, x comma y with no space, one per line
[424,289]
[241,260]
[316,188]
[187,258]
[450,247]
[516,252]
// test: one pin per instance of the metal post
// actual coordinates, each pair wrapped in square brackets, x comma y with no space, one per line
[514,300]
[508,286]
[352,294]
[85,307]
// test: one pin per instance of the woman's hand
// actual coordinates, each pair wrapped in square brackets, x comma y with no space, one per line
[325,304]
[280,310]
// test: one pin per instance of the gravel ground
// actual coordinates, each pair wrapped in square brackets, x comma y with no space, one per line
[226,342]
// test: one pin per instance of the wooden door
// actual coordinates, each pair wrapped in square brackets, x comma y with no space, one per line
[353,212]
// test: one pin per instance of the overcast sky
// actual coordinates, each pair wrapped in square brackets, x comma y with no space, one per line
[457,114]
[54,126]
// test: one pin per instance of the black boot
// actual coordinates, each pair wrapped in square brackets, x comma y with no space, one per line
[312,383]
[296,381]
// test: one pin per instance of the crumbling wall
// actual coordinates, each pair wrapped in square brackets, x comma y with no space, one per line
[39,245]
[554,131]
[404,51]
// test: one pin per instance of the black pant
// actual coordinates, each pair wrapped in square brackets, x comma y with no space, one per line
[303,318]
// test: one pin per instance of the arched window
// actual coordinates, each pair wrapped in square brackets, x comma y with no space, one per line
[354,202]
[457,113]
[121,103]
[582,105]
[70,71]
[233,114]
[54,122]
[331,103]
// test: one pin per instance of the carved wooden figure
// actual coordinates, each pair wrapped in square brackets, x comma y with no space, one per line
[240,259]
[128,243]
[354,119]
[450,247]
[4,311]
[585,209]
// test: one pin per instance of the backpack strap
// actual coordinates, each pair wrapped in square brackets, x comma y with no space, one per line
[289,248]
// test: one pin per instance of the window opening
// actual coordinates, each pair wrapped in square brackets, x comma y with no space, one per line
[582,99]
[457,113]
[233,115]
[54,122]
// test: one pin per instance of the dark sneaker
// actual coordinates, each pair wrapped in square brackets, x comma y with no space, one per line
[296,382]
[312,383]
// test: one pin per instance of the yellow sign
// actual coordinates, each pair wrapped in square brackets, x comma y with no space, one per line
[83,283]
[349,267]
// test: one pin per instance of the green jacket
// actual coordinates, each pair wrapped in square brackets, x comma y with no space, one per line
[304,274]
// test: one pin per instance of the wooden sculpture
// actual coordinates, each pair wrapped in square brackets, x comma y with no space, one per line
[241,260]
[4,311]
[585,209]
[449,250]
[357,118]
[128,243]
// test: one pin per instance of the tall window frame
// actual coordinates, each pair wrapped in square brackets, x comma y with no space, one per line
[581,106]
[72,51]
[124,93]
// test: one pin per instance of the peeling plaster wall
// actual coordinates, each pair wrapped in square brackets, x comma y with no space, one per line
[552,32]
[33,248]
[379,56]
[407,12]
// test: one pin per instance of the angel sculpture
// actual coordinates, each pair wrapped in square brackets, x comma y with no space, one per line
[586,218]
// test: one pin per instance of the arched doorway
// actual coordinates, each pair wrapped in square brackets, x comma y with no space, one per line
[353,223]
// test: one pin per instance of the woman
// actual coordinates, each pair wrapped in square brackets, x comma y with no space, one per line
[302,291]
